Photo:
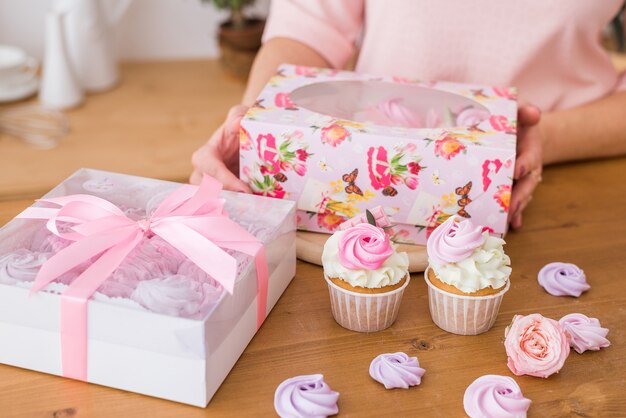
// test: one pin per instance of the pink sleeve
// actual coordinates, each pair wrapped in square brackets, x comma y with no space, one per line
[330,27]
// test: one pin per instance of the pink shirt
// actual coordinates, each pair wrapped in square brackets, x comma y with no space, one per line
[549,49]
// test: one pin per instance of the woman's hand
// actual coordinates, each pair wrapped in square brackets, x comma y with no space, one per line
[528,166]
[219,157]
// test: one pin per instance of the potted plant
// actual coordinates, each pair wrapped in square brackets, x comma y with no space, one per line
[239,37]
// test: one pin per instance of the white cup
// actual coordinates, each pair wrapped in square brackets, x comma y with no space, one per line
[16,68]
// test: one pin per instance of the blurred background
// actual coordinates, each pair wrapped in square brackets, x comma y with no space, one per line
[149,29]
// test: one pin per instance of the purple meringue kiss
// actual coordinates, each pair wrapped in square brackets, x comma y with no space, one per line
[584,333]
[21,265]
[563,279]
[495,396]
[305,396]
[176,295]
[454,240]
[396,370]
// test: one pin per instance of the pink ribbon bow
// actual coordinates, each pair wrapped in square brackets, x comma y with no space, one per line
[191,219]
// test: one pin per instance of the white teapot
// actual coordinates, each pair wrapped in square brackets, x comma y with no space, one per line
[88,32]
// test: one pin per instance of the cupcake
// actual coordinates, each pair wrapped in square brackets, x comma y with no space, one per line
[467,276]
[366,277]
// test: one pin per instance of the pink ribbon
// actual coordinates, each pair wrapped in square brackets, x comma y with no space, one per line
[191,219]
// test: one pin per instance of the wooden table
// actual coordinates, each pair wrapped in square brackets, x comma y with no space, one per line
[160,115]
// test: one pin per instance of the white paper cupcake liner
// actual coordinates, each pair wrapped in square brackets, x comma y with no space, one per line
[365,312]
[463,315]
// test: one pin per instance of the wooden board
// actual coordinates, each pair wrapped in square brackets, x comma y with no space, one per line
[309,247]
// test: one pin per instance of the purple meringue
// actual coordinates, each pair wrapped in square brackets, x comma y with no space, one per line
[563,279]
[396,370]
[21,265]
[584,333]
[495,396]
[176,295]
[454,240]
[305,396]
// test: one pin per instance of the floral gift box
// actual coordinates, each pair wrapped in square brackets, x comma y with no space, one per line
[139,284]
[339,142]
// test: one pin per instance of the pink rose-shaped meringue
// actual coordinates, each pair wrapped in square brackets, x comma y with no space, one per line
[398,114]
[535,346]
[396,370]
[305,397]
[495,396]
[364,246]
[563,279]
[21,265]
[454,241]
[176,296]
[584,333]
[471,116]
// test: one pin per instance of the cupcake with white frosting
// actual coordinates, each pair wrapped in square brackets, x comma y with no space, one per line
[467,276]
[366,277]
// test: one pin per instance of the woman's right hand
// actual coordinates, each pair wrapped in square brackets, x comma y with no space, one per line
[219,157]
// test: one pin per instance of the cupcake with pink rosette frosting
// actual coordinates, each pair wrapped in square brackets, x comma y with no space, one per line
[467,276]
[305,397]
[366,277]
[495,396]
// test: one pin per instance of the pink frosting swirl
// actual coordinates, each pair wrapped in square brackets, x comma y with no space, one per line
[21,265]
[454,241]
[364,246]
[584,333]
[495,396]
[563,279]
[396,370]
[471,116]
[305,397]
[176,296]
[535,346]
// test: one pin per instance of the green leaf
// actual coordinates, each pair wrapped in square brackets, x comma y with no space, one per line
[370,217]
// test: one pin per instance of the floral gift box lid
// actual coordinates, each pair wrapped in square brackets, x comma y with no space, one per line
[340,142]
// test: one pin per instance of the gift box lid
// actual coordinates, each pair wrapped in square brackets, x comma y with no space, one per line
[393,107]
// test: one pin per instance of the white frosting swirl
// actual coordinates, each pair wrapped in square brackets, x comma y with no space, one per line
[176,295]
[394,269]
[487,266]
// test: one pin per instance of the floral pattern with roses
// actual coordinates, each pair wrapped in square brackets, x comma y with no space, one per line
[388,171]
[291,155]
[502,124]
[448,147]
[245,141]
[284,100]
[503,196]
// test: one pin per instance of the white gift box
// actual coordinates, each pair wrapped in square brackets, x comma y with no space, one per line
[130,347]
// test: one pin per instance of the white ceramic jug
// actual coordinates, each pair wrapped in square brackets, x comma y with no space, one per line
[59,87]
[88,28]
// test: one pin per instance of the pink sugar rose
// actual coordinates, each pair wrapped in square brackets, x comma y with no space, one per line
[364,246]
[535,346]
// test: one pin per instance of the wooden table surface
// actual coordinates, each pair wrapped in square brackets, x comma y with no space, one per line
[161,112]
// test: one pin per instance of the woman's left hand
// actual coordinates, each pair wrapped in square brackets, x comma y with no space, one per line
[528,165]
